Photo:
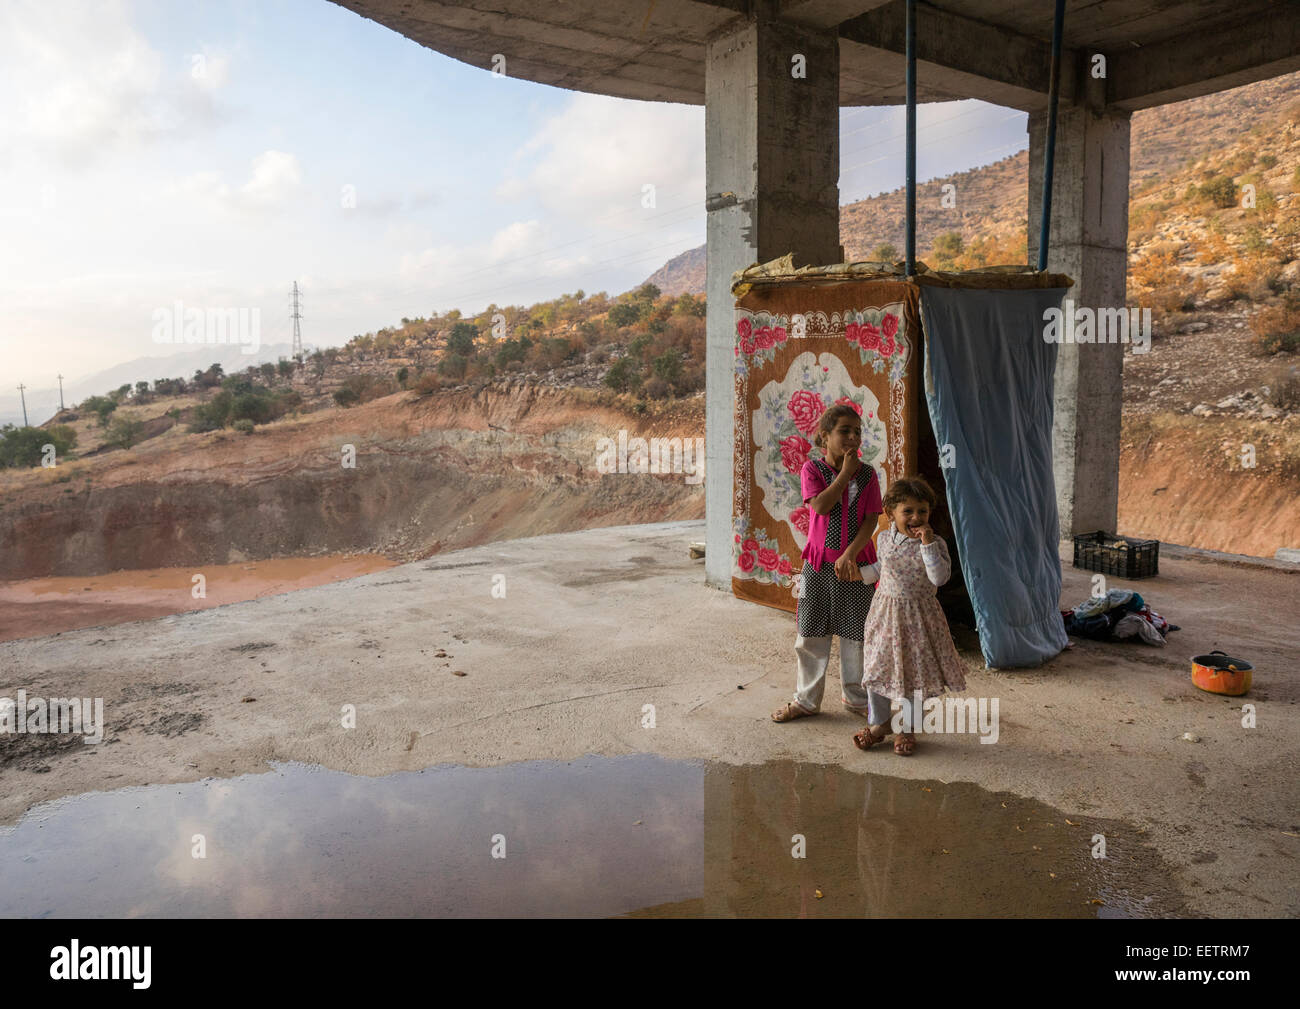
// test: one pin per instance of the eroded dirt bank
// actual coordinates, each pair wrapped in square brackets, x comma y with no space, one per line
[430,474]
[1217,483]
[462,469]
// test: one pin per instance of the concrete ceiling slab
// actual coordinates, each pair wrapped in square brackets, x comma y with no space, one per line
[1157,51]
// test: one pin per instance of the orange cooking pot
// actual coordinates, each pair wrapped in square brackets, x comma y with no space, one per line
[1221,674]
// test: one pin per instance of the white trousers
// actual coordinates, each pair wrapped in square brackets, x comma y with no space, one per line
[813,655]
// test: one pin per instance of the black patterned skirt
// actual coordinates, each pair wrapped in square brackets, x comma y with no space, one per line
[828,605]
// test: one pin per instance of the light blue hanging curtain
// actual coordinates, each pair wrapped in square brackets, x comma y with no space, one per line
[988,385]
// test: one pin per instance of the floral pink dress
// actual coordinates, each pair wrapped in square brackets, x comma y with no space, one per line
[908,644]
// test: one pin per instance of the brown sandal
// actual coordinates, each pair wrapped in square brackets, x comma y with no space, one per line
[865,739]
[904,744]
[790,712]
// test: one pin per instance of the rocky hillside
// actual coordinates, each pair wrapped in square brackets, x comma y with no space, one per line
[991,215]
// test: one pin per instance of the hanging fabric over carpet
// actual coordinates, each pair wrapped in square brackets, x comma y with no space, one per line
[988,386]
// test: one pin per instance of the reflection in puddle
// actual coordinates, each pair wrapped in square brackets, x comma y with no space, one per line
[593,837]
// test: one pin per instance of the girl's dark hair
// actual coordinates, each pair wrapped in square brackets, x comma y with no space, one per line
[829,419]
[913,487]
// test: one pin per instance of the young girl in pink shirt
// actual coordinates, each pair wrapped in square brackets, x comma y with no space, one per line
[843,499]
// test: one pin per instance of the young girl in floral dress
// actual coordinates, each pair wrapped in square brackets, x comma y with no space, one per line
[910,647]
[843,499]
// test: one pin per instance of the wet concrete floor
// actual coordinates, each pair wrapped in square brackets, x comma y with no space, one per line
[599,836]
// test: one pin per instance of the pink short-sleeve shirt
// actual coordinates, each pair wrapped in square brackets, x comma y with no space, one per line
[868,501]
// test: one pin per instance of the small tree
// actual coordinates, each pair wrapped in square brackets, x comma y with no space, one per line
[101,406]
[25,446]
[1220,190]
[624,376]
[453,366]
[668,366]
[947,247]
[461,339]
[124,432]
[623,314]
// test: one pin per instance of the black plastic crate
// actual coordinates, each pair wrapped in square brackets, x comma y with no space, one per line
[1121,556]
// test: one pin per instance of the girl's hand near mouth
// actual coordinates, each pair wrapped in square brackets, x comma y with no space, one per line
[923,531]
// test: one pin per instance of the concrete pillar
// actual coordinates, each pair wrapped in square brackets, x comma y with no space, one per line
[772,140]
[1089,241]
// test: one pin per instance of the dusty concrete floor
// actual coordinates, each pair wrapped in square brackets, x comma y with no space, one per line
[595,625]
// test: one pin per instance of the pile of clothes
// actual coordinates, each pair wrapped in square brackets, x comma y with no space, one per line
[1118,614]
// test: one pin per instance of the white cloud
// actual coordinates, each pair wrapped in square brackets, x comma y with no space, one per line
[83,81]
[200,187]
[517,239]
[275,175]
[209,69]
[592,159]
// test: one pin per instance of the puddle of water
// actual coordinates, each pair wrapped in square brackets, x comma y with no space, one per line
[39,606]
[598,836]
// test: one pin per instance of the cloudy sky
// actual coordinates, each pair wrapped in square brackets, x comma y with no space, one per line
[205,151]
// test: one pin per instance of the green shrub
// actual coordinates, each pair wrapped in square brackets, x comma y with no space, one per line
[638,346]
[243,425]
[624,314]
[101,406]
[667,367]
[460,341]
[453,365]
[25,446]
[254,405]
[213,414]
[624,376]
[124,432]
[1220,190]
[690,305]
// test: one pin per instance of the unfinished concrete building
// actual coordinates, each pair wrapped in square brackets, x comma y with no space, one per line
[772,140]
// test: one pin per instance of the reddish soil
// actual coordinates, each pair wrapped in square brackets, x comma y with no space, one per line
[36,607]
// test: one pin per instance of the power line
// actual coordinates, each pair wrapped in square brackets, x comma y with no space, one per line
[297,329]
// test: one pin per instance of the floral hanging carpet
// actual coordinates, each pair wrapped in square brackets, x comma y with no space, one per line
[801,348]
